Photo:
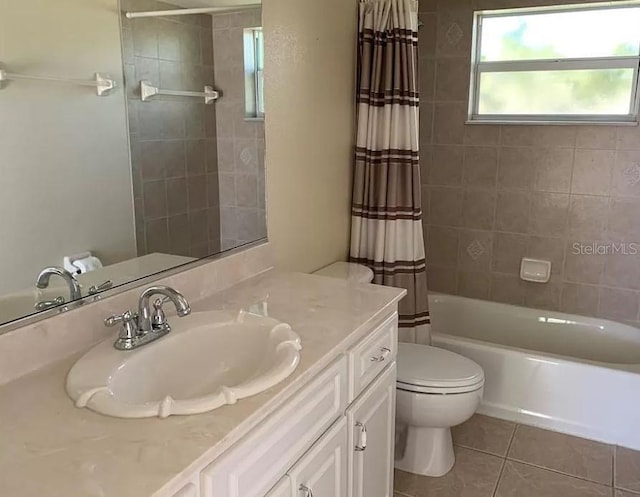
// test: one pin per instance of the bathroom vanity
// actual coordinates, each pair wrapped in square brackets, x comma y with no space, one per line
[327,430]
[334,438]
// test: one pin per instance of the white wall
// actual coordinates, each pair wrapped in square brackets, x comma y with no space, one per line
[310,113]
[65,177]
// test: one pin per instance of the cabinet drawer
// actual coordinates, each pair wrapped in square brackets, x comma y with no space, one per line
[264,456]
[371,356]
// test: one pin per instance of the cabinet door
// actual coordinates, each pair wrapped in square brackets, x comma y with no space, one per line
[371,421]
[322,472]
[189,490]
[254,465]
[282,488]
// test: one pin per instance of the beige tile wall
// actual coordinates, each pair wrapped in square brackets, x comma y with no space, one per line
[173,140]
[240,141]
[494,194]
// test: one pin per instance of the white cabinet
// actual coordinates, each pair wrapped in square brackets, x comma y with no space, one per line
[322,472]
[252,467]
[189,490]
[314,444]
[282,488]
[371,421]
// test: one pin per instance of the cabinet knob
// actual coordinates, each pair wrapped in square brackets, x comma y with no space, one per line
[384,353]
[363,437]
[307,491]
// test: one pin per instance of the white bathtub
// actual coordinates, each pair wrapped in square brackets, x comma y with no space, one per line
[563,372]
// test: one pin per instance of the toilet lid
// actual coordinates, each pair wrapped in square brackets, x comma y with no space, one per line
[347,271]
[432,367]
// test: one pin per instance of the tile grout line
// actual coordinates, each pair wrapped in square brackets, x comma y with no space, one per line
[401,493]
[499,479]
[631,492]
[558,472]
[513,436]
[504,461]
[614,463]
[474,449]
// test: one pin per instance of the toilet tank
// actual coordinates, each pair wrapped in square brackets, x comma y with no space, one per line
[349,271]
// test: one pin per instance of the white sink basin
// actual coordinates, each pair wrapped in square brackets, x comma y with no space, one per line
[210,359]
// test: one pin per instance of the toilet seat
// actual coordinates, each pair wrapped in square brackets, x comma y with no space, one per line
[426,369]
[438,390]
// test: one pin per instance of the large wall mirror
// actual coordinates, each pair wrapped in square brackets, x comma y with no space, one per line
[128,144]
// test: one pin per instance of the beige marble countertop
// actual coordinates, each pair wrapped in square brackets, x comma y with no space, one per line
[49,448]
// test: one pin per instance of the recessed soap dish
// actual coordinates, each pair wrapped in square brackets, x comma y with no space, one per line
[535,270]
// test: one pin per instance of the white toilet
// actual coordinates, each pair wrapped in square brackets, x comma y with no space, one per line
[436,390]
[356,273]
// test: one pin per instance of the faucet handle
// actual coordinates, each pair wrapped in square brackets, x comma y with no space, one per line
[111,321]
[128,320]
[159,318]
[43,305]
[93,289]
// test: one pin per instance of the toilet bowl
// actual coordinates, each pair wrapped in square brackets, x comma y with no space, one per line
[436,389]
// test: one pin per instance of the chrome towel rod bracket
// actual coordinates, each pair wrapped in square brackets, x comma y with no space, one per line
[147,90]
[101,82]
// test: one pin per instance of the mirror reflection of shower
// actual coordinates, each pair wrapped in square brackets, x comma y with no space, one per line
[197,139]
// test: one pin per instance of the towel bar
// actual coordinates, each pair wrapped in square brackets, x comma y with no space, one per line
[101,82]
[147,90]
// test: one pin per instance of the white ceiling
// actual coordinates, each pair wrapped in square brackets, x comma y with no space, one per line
[213,3]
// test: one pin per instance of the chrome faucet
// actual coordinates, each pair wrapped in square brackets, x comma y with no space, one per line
[144,311]
[147,325]
[42,282]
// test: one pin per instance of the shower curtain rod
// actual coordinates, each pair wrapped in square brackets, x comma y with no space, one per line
[183,12]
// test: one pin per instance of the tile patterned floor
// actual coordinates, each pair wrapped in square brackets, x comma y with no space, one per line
[496,458]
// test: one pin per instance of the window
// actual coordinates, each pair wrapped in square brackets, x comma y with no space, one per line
[556,64]
[254,73]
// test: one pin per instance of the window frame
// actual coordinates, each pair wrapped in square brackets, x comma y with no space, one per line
[612,62]
[254,73]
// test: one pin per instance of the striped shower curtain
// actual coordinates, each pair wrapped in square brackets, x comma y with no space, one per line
[386,231]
